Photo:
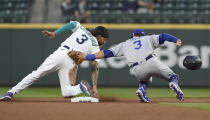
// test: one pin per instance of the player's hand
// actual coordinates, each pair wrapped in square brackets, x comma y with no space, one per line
[47,33]
[95,94]
[178,43]
[77,56]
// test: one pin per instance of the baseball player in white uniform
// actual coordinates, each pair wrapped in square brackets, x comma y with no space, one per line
[81,40]
[140,57]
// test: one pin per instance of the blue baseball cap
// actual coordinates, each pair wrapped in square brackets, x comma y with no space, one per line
[138,31]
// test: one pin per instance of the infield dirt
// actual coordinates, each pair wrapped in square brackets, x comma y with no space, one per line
[107,109]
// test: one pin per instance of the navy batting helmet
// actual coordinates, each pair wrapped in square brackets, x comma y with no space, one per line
[192,62]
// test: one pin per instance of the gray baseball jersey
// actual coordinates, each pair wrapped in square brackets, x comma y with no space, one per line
[136,49]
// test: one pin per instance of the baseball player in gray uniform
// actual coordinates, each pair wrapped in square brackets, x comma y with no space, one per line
[143,63]
[81,40]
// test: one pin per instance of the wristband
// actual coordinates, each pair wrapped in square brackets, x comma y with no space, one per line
[90,57]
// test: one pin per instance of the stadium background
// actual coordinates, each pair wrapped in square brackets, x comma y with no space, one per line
[23,48]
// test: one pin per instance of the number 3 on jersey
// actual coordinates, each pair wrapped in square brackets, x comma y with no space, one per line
[138,43]
[82,40]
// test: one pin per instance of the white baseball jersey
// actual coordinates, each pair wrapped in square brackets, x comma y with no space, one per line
[136,49]
[82,40]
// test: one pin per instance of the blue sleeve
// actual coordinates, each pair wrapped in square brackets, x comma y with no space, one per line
[167,37]
[108,53]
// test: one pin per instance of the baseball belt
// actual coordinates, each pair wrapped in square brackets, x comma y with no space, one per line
[137,63]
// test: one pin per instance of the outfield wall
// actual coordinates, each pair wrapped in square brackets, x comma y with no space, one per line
[23,49]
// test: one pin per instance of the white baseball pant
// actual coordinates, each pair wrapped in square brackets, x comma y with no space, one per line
[58,61]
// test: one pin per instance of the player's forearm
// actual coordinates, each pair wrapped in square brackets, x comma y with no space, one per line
[94,74]
[100,55]
[66,27]
[72,75]
[97,55]
[167,37]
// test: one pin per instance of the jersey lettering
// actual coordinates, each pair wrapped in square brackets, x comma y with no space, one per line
[82,40]
[138,43]
[94,42]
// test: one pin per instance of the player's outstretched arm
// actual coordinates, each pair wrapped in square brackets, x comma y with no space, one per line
[99,55]
[167,37]
[79,57]
[48,33]
[68,26]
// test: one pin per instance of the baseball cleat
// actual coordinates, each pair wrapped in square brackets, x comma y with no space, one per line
[141,93]
[6,97]
[175,87]
[86,88]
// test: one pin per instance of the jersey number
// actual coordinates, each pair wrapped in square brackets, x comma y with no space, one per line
[138,43]
[82,40]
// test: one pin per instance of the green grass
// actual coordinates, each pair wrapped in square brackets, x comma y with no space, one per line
[46,92]
[43,92]
[115,92]
[154,92]
[205,106]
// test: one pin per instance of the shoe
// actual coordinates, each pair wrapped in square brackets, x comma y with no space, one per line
[6,97]
[86,88]
[141,93]
[175,87]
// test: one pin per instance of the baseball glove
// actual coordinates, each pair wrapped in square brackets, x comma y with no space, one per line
[192,62]
[74,55]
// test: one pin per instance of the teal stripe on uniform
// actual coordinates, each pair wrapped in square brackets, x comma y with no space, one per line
[66,27]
